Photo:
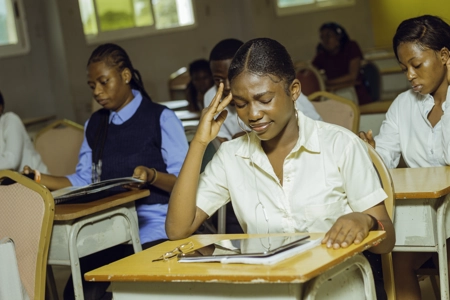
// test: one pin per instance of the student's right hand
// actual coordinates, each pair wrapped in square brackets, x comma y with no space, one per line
[367,137]
[27,170]
[209,126]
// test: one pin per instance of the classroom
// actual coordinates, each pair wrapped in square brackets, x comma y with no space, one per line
[49,51]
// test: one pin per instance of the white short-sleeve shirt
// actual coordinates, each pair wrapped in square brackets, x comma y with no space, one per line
[327,174]
[231,127]
[407,132]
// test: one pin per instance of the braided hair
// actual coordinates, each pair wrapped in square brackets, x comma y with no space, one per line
[264,56]
[115,56]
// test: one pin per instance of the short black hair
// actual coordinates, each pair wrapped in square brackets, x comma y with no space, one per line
[225,49]
[426,31]
[2,101]
[263,56]
[199,65]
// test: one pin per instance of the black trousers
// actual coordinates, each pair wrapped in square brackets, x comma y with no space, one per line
[377,269]
[97,290]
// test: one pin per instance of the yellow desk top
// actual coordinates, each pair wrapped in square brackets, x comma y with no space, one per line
[420,183]
[297,269]
[64,212]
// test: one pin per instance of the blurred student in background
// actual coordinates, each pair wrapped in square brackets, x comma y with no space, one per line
[201,82]
[16,148]
[340,59]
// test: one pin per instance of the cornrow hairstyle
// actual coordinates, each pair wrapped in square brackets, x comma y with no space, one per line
[225,49]
[262,57]
[115,56]
[428,32]
[337,29]
[199,65]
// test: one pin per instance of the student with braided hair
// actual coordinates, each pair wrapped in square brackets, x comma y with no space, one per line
[129,131]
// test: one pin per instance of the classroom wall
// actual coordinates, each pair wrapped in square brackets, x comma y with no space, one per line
[51,79]
[388,14]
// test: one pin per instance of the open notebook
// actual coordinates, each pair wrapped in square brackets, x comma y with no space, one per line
[75,192]
[264,250]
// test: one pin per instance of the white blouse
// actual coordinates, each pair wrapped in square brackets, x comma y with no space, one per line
[327,174]
[407,132]
[16,148]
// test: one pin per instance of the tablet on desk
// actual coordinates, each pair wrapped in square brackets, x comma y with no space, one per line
[261,250]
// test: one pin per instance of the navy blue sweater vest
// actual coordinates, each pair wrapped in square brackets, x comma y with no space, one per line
[136,142]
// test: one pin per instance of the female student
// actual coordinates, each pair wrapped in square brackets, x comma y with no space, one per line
[290,173]
[416,126]
[201,82]
[129,131]
[16,148]
[340,58]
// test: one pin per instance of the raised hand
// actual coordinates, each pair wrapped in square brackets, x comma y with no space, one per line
[209,126]
[367,137]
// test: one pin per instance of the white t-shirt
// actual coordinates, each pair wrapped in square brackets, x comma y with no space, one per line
[327,174]
[230,127]
[16,148]
[407,132]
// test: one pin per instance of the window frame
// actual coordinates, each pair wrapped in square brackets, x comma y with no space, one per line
[316,6]
[135,32]
[23,43]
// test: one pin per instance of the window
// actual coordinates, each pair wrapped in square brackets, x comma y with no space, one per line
[105,20]
[289,7]
[13,36]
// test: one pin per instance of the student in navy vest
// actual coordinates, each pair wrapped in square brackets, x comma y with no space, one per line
[129,131]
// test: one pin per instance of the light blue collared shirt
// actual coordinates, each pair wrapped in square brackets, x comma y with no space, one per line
[174,147]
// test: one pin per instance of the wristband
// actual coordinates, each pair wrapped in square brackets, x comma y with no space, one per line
[377,225]
[154,176]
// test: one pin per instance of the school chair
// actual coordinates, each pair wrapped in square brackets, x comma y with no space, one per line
[389,202]
[372,79]
[336,110]
[177,83]
[310,78]
[59,145]
[26,217]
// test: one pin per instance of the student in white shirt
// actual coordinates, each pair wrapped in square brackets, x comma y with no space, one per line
[219,61]
[289,174]
[16,147]
[416,126]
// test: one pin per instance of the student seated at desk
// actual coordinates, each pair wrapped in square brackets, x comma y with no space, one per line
[289,174]
[340,58]
[416,126]
[219,61]
[16,147]
[131,130]
[201,82]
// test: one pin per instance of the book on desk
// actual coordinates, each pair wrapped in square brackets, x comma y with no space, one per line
[261,250]
[93,191]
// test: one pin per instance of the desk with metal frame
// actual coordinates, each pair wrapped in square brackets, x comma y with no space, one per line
[421,214]
[86,228]
[302,276]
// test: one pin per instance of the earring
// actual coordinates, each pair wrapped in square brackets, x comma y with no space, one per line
[126,81]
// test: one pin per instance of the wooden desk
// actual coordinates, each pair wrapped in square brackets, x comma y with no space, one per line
[422,221]
[137,277]
[83,229]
